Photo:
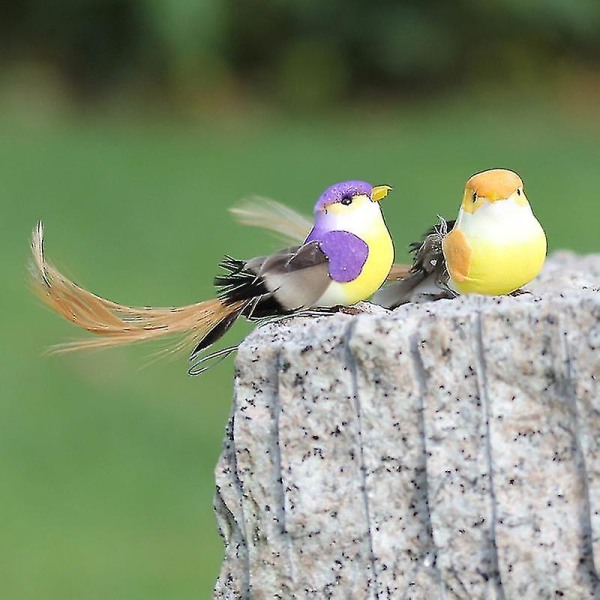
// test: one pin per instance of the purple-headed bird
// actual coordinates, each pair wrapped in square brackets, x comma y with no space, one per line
[346,257]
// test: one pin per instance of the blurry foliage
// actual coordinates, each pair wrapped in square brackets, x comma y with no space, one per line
[300,53]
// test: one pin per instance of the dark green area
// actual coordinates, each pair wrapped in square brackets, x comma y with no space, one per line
[302,55]
[107,461]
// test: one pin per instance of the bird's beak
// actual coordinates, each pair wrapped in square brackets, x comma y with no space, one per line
[379,192]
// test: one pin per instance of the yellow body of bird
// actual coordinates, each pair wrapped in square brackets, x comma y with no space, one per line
[374,273]
[370,227]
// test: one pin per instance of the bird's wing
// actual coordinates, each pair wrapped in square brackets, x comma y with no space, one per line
[428,274]
[291,279]
[458,255]
[305,277]
[347,255]
[274,216]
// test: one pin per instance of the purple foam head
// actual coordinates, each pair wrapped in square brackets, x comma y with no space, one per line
[339,191]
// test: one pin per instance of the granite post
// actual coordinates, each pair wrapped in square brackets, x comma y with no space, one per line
[445,450]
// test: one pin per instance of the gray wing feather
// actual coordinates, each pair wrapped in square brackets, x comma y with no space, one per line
[296,276]
[428,275]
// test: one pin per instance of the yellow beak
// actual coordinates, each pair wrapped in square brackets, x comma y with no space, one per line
[379,192]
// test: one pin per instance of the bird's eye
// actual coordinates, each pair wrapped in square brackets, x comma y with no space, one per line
[346,201]
[474,196]
[519,191]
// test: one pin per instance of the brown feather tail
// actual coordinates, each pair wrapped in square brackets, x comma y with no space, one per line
[116,324]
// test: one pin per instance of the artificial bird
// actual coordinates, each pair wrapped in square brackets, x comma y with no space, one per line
[494,247]
[344,259]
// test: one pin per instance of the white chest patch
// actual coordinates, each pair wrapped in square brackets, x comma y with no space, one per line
[504,221]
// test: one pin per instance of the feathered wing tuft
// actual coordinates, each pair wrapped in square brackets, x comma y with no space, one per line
[274,216]
[427,277]
[116,324]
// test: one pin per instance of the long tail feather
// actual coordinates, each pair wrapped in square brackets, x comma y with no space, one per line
[116,324]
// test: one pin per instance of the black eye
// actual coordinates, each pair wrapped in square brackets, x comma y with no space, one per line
[474,196]
[519,192]
[346,201]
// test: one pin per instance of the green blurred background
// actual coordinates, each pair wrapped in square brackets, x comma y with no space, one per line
[130,126]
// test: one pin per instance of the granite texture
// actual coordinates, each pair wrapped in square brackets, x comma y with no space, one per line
[445,450]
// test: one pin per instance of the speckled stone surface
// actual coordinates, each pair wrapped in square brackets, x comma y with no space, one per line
[445,450]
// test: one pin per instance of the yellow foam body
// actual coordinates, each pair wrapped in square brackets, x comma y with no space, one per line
[371,228]
[496,250]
